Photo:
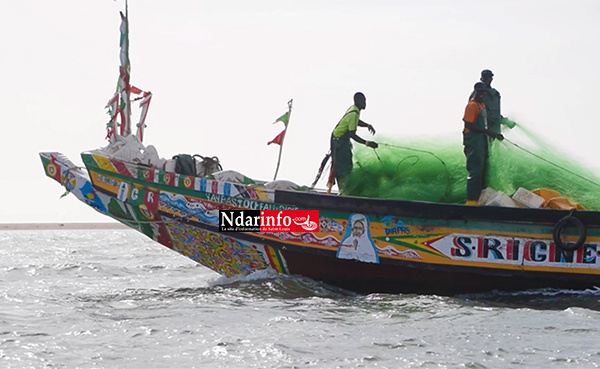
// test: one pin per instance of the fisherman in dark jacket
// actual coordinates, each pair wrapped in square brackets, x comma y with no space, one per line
[475,140]
[491,101]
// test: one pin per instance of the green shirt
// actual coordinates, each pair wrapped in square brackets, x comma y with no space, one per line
[349,122]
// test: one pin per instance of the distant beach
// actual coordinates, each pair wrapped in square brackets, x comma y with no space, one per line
[50,226]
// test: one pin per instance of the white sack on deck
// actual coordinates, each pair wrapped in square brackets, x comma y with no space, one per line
[281,185]
[132,149]
[150,157]
[230,176]
[129,149]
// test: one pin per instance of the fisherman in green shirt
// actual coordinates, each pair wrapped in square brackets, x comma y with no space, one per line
[341,148]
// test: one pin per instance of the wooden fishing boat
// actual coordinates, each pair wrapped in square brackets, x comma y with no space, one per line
[361,244]
[419,247]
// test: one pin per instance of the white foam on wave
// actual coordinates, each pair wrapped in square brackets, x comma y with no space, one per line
[252,277]
[552,292]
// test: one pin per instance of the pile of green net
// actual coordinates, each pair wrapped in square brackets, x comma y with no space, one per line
[433,169]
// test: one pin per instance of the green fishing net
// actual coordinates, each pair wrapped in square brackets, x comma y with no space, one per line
[433,169]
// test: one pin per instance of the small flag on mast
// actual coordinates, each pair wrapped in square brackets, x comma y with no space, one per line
[285,118]
[278,139]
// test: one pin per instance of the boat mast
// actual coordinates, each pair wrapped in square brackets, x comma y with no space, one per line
[289,114]
[125,76]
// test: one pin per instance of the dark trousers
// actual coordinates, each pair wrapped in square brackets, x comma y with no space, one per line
[341,153]
[476,152]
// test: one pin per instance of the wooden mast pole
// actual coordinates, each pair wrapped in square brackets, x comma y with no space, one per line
[289,115]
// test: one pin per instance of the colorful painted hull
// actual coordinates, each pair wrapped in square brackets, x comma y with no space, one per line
[406,246]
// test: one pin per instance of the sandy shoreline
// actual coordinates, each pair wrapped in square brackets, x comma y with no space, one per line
[45,226]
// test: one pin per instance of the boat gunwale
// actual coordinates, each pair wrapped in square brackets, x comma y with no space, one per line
[431,210]
[384,206]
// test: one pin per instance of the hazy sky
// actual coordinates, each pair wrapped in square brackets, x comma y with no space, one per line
[222,71]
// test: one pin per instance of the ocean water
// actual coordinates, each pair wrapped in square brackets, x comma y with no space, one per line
[115,299]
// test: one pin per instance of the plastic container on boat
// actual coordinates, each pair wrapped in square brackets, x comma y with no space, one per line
[528,199]
[501,199]
[486,195]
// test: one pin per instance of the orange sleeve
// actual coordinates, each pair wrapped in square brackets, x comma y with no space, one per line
[471,112]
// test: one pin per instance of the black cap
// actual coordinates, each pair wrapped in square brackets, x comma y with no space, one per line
[487,72]
[480,86]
